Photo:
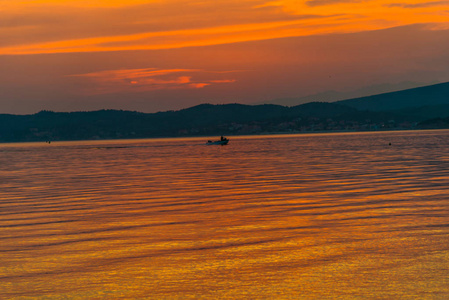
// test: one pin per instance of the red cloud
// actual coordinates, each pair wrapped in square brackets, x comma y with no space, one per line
[137,80]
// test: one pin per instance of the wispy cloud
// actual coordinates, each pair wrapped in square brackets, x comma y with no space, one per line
[61,26]
[419,5]
[147,79]
[313,3]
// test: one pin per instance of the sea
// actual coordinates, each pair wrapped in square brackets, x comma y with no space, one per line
[304,216]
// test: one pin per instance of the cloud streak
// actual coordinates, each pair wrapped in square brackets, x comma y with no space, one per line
[50,26]
[313,3]
[147,79]
[419,5]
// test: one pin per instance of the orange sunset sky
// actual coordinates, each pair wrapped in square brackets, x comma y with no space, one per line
[67,55]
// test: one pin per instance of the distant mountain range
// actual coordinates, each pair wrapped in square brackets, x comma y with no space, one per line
[437,94]
[333,96]
[423,107]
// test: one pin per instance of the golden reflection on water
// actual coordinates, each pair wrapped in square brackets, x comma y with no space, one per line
[311,216]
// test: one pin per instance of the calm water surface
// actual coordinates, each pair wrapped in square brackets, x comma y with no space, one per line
[300,216]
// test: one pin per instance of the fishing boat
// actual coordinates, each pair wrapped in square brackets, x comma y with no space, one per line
[222,141]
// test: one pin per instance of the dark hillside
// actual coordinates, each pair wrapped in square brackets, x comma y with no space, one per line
[204,119]
[322,109]
[397,110]
[422,96]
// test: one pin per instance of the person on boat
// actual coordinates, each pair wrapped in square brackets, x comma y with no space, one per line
[223,138]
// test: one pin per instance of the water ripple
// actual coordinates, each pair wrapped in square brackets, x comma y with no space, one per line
[316,216]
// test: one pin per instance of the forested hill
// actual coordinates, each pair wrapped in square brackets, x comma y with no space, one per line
[399,110]
[204,119]
[437,94]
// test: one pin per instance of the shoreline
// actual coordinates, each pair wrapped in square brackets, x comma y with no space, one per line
[227,135]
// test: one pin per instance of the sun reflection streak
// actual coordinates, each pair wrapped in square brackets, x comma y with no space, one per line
[271,216]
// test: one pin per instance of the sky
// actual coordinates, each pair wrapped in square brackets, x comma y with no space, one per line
[149,56]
